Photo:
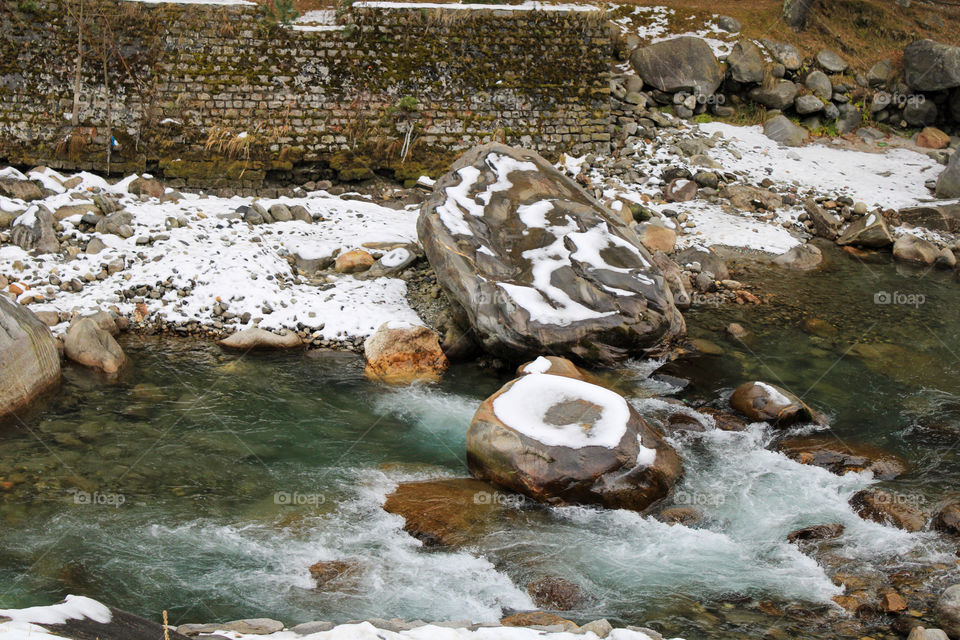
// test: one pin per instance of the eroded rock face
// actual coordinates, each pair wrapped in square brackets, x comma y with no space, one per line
[29,362]
[765,402]
[537,265]
[561,440]
[400,353]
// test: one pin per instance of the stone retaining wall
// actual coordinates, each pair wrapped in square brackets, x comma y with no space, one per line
[215,95]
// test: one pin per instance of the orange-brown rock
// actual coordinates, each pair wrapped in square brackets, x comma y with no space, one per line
[893,602]
[888,508]
[932,138]
[336,575]
[761,401]
[451,512]
[538,619]
[353,261]
[401,353]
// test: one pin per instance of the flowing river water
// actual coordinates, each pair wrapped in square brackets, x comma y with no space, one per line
[205,483]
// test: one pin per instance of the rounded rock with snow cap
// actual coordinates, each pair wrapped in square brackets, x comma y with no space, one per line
[561,440]
[765,402]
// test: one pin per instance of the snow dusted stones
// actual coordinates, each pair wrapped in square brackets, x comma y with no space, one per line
[400,353]
[562,440]
[538,265]
[29,362]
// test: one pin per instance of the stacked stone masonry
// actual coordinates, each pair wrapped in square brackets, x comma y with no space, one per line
[218,94]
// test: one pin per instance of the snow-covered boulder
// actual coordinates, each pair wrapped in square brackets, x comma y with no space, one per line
[561,440]
[400,353]
[538,265]
[765,402]
[34,230]
[29,362]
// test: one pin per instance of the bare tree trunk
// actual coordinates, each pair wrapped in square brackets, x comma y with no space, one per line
[77,76]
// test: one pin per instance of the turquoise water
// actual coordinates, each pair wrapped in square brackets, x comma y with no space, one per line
[205,483]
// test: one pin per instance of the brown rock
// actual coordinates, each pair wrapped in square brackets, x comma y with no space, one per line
[737,331]
[825,224]
[657,238]
[760,401]
[723,420]
[148,187]
[893,602]
[870,231]
[887,508]
[948,519]
[29,360]
[354,261]
[257,338]
[335,575]
[818,532]
[747,198]
[841,457]
[87,344]
[687,516]
[400,353]
[680,190]
[556,366]
[933,138]
[555,593]
[538,619]
[451,512]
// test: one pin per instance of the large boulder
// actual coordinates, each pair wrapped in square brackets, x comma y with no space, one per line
[679,64]
[870,231]
[948,183]
[802,257]
[537,265]
[400,353]
[765,402]
[931,66]
[561,440]
[746,62]
[88,344]
[29,361]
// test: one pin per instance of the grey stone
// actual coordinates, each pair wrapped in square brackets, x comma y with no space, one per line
[879,73]
[808,104]
[849,119]
[870,231]
[818,82]
[786,54]
[795,13]
[781,129]
[307,628]
[728,24]
[931,66]
[948,183]
[118,223]
[91,346]
[948,611]
[280,213]
[746,62]
[831,61]
[299,212]
[36,231]
[679,64]
[779,94]
[920,112]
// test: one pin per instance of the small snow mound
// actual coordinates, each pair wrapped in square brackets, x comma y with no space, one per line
[525,406]
[72,608]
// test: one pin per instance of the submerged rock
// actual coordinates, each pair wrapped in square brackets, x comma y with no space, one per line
[801,258]
[817,532]
[29,360]
[909,248]
[88,344]
[840,457]
[400,353]
[947,519]
[257,338]
[556,593]
[537,265]
[888,508]
[451,512]
[564,441]
[760,401]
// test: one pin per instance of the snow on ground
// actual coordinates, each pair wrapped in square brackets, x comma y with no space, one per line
[192,1]
[219,257]
[891,179]
[529,5]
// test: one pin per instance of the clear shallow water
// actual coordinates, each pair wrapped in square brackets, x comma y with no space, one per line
[236,474]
